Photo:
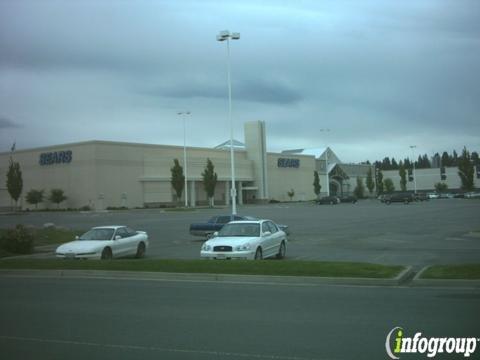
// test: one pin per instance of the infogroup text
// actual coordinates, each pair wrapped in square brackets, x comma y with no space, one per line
[397,344]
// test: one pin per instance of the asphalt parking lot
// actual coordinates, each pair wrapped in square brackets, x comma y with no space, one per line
[424,233]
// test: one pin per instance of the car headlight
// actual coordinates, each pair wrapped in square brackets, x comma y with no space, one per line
[206,247]
[244,247]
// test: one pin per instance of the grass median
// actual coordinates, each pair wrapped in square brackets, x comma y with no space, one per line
[465,272]
[265,267]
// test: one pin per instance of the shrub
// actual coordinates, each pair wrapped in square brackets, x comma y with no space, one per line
[18,240]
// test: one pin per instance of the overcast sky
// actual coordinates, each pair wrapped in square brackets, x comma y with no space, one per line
[381,75]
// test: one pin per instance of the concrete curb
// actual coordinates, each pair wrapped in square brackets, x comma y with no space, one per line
[418,281]
[227,278]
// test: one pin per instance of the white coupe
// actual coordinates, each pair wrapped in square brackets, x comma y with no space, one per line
[257,240]
[105,242]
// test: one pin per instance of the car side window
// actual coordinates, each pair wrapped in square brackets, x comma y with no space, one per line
[122,232]
[265,227]
[131,232]
[223,219]
[273,227]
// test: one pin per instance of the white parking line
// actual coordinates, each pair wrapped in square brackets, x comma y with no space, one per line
[220,354]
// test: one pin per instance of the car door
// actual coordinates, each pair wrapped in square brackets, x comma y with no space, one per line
[276,237]
[266,239]
[132,241]
[121,244]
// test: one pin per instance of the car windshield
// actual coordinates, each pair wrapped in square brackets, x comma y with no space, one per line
[97,234]
[240,230]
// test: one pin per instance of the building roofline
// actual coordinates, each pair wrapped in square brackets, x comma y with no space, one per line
[118,143]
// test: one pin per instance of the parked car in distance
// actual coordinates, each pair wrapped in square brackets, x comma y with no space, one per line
[332,200]
[421,196]
[432,195]
[472,194]
[398,197]
[445,196]
[348,199]
[216,223]
[248,240]
[105,242]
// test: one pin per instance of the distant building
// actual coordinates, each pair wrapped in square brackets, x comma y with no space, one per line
[102,174]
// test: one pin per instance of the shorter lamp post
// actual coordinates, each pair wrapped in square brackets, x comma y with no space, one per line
[413,162]
[183,114]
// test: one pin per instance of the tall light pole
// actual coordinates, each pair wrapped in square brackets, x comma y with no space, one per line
[326,163]
[413,161]
[222,36]
[183,114]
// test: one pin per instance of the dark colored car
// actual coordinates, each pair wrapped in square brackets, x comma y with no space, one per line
[348,199]
[398,197]
[332,200]
[217,222]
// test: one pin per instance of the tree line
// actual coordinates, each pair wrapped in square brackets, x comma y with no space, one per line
[424,162]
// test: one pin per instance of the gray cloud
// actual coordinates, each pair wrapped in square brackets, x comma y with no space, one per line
[6,123]
[366,69]
[262,91]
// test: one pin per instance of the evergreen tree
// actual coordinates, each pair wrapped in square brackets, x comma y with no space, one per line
[394,164]
[209,181]
[465,170]
[446,159]
[178,179]
[455,158]
[370,182]
[359,189]
[14,180]
[475,159]
[379,181]
[386,164]
[316,184]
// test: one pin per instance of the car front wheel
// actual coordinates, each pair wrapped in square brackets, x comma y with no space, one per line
[107,254]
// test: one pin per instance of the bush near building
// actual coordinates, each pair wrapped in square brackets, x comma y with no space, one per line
[57,196]
[34,197]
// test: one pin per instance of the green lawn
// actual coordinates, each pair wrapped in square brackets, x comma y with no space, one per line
[467,271]
[266,267]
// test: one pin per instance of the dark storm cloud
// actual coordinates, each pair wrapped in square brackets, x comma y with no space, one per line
[6,123]
[262,91]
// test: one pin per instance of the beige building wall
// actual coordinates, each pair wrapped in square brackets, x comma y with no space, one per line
[282,179]
[427,178]
[112,174]
[77,178]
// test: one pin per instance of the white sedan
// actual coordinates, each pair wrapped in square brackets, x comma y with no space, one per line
[257,240]
[105,242]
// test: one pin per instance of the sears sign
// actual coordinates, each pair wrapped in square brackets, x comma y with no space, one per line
[57,157]
[288,163]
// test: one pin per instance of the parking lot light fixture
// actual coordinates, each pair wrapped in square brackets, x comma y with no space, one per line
[183,114]
[226,36]
[326,163]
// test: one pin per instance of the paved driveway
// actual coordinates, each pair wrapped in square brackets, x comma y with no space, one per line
[433,232]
